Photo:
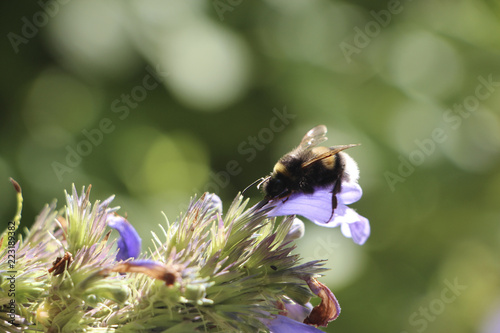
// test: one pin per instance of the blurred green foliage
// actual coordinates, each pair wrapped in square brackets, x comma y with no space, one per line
[155,101]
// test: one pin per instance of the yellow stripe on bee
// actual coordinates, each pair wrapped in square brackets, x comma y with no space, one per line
[281,168]
[328,162]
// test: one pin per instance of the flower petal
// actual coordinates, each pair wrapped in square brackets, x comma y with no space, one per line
[282,324]
[327,310]
[359,230]
[129,243]
[296,311]
[317,207]
[349,193]
[297,231]
[215,202]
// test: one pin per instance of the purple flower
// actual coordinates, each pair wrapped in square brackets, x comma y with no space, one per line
[214,202]
[305,318]
[129,243]
[296,311]
[317,207]
[297,231]
[282,324]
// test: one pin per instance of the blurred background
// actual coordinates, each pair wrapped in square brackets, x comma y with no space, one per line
[155,101]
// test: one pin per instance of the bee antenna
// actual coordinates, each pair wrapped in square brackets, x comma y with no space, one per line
[262,180]
[259,181]
[253,183]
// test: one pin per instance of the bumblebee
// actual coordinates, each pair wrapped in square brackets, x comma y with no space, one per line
[309,167]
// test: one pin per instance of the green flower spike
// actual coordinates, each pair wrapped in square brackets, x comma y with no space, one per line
[208,272]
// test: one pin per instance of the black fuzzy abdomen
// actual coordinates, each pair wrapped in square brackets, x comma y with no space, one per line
[321,174]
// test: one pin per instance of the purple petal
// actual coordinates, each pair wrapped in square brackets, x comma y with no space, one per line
[317,207]
[351,224]
[282,324]
[297,312]
[129,243]
[297,231]
[350,193]
[214,202]
[359,231]
[146,263]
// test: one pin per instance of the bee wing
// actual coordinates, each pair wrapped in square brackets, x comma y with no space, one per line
[313,138]
[333,150]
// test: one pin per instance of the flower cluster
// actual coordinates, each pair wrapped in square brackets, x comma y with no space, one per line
[209,271]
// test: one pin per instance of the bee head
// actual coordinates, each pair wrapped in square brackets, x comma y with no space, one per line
[275,185]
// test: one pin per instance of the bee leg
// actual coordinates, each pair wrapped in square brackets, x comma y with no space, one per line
[336,189]
[285,196]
